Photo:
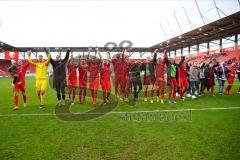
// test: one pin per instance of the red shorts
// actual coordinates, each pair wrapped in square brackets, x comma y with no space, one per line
[82,82]
[126,81]
[106,85]
[183,83]
[94,83]
[148,80]
[72,82]
[118,80]
[160,83]
[18,87]
[230,80]
[173,82]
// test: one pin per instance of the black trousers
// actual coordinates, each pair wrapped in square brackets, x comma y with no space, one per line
[60,85]
[137,86]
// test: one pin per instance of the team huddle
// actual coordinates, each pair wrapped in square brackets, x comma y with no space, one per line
[130,77]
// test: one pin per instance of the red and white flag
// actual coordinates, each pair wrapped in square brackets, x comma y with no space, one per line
[11,55]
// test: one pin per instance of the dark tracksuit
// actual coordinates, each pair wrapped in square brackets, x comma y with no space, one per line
[136,79]
[151,68]
[59,75]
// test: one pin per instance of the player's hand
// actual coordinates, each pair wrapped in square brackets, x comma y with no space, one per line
[89,48]
[47,50]
[155,51]
[29,52]
[69,49]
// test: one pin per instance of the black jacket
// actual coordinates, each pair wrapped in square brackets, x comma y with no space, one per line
[59,68]
[151,67]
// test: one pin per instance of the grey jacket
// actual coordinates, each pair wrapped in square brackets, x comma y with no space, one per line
[193,74]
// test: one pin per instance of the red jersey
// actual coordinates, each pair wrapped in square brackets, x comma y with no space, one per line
[117,67]
[105,72]
[83,74]
[182,72]
[125,67]
[232,71]
[72,72]
[94,69]
[21,71]
[159,70]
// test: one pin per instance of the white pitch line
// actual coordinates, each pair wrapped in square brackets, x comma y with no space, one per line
[153,111]
[178,110]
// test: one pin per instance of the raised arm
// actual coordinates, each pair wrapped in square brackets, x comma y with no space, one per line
[99,54]
[182,60]
[109,56]
[66,56]
[89,49]
[47,51]
[26,64]
[48,58]
[29,58]
[155,55]
[165,57]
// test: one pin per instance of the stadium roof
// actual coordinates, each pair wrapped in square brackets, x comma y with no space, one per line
[224,27]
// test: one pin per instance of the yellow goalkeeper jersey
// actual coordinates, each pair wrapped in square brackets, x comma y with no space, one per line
[41,68]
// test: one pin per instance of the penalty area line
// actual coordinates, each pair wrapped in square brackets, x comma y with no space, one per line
[132,112]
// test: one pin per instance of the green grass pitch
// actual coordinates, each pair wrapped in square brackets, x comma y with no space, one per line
[208,134]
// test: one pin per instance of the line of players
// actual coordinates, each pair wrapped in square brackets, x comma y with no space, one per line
[181,77]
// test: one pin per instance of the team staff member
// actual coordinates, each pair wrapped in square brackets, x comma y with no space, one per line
[41,75]
[59,76]
[149,75]
[135,77]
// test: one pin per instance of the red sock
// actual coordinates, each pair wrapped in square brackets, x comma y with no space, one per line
[24,98]
[212,90]
[230,87]
[170,93]
[239,89]
[152,94]
[158,92]
[16,100]
[92,94]
[146,93]
[181,93]
[108,94]
[95,97]
[80,95]
[174,94]
[104,96]
[227,89]
[162,93]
